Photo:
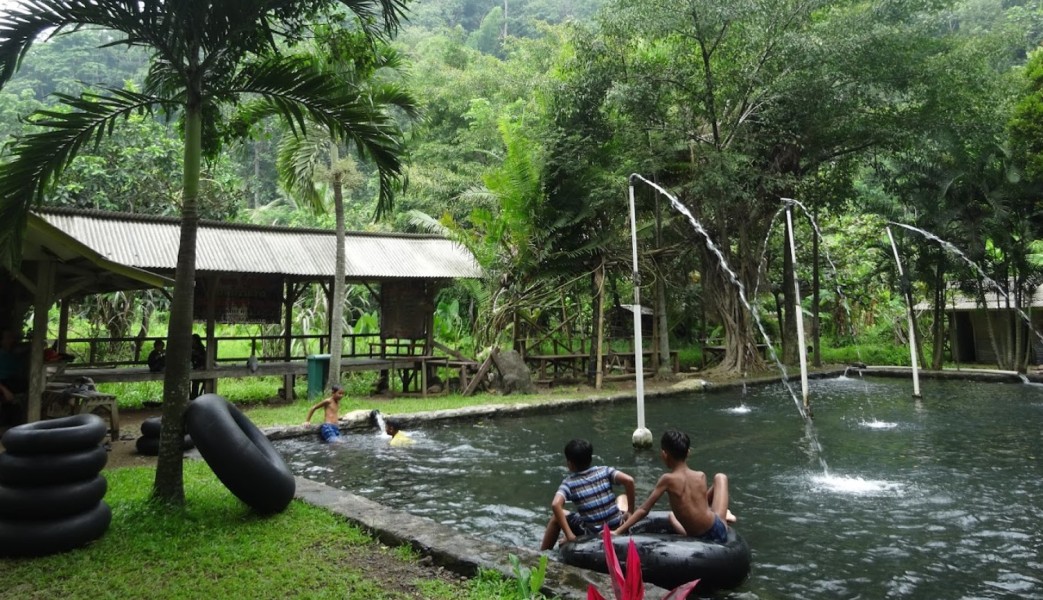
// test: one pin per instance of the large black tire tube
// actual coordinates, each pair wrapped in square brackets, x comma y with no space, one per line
[67,434]
[49,469]
[51,501]
[37,538]
[149,446]
[667,559]
[151,426]
[239,454]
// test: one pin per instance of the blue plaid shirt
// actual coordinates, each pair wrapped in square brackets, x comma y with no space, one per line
[591,491]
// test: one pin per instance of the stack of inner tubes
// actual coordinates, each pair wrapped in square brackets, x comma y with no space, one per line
[148,443]
[51,489]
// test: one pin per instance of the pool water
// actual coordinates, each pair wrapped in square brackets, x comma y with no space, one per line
[882,497]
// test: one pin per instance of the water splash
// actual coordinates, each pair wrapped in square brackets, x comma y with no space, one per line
[981,272]
[681,208]
[877,424]
[1025,380]
[857,486]
[378,421]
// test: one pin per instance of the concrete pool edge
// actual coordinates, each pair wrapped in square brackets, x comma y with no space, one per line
[448,548]
[358,420]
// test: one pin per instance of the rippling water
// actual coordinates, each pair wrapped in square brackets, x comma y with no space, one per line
[936,499]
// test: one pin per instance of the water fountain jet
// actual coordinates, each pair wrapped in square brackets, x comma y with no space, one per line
[805,414]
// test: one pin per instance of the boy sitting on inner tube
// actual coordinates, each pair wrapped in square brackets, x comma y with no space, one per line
[696,511]
[590,489]
[329,431]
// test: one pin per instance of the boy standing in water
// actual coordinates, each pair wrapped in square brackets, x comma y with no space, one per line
[590,490]
[329,431]
[697,511]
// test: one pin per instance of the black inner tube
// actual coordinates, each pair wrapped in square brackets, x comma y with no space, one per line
[240,454]
[668,560]
[67,434]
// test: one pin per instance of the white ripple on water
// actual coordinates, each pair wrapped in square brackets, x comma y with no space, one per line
[739,410]
[855,485]
[877,424]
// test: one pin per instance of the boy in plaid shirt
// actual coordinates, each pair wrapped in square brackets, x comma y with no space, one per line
[590,490]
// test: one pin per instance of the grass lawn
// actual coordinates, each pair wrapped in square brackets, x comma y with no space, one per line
[215,547]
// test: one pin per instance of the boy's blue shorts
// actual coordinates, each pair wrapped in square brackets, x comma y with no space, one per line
[329,432]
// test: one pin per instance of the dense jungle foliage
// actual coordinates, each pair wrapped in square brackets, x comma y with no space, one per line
[536,112]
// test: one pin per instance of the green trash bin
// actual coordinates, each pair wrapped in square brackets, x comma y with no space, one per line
[318,373]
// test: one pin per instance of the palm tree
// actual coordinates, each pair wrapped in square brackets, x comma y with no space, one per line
[205,55]
[305,160]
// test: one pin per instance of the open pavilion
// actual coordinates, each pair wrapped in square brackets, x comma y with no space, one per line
[244,274]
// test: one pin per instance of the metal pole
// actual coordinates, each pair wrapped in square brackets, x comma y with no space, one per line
[802,347]
[912,329]
[642,437]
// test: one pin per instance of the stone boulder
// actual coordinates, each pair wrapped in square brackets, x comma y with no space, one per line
[514,374]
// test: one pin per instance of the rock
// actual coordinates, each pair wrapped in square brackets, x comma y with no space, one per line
[693,385]
[514,374]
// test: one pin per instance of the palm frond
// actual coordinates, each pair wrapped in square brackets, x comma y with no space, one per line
[423,221]
[297,89]
[23,24]
[37,159]
[398,96]
[297,162]
[380,18]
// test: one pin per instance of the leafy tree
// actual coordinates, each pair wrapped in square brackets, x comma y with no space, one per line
[733,104]
[203,56]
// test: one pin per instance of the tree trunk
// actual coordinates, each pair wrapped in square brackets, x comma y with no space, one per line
[938,357]
[662,325]
[740,342]
[337,305]
[169,484]
[989,326]
[816,359]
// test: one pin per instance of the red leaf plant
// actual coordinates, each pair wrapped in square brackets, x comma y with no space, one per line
[631,587]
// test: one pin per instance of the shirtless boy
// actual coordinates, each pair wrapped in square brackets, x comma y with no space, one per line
[328,431]
[697,511]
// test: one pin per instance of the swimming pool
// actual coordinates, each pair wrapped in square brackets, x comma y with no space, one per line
[937,498]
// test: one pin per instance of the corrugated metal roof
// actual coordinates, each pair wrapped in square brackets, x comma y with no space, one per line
[958,300]
[152,243]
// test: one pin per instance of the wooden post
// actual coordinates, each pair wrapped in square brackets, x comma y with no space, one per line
[288,298]
[63,326]
[42,301]
[482,370]
[210,385]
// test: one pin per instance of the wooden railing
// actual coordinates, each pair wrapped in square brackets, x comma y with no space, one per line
[126,351]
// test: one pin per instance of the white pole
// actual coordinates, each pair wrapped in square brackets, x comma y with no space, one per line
[912,329]
[799,310]
[642,437]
